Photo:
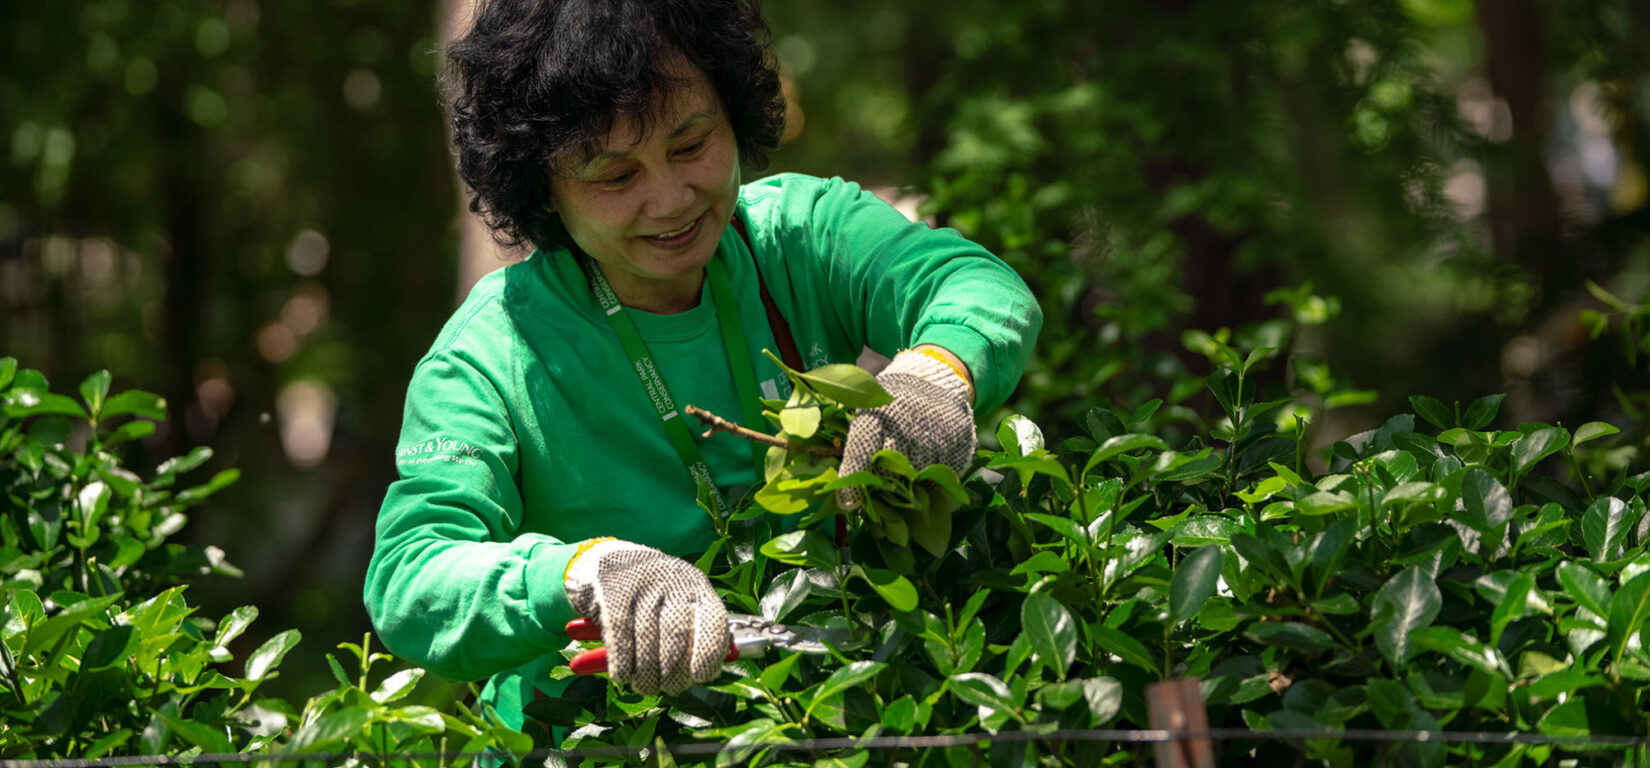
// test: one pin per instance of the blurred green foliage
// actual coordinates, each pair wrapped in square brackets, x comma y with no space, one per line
[247,207]
[217,200]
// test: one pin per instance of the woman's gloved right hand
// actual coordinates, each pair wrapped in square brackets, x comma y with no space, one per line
[662,623]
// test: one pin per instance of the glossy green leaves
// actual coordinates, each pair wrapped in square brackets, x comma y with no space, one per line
[1406,603]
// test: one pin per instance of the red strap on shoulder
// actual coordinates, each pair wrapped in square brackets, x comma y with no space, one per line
[782,336]
[781,329]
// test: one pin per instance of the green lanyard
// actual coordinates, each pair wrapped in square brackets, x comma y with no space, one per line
[733,340]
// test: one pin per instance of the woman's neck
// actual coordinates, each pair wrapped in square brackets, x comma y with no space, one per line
[661,297]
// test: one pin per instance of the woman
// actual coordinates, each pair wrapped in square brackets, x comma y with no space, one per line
[545,468]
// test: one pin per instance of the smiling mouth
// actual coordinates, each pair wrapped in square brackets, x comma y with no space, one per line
[678,233]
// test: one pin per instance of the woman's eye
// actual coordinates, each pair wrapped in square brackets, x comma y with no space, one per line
[617,179]
[691,148]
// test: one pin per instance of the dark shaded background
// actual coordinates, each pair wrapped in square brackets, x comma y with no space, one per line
[248,207]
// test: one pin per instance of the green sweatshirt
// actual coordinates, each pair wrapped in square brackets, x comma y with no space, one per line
[526,429]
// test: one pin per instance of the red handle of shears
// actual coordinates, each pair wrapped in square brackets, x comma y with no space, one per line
[594,661]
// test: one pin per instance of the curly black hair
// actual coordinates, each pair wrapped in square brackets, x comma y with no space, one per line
[534,78]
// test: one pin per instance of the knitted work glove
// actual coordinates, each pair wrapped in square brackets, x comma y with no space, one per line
[664,627]
[931,421]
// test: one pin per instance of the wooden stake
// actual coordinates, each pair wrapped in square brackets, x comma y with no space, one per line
[1177,705]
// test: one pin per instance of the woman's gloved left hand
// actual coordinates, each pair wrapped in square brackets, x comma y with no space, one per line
[931,420]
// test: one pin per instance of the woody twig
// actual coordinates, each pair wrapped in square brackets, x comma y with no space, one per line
[718,424]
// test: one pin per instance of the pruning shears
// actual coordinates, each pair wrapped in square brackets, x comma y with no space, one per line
[752,636]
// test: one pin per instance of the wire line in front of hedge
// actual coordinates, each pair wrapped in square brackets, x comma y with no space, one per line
[1136,736]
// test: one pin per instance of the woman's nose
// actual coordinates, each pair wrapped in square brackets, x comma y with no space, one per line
[671,195]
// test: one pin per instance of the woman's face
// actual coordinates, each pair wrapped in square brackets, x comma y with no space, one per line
[650,202]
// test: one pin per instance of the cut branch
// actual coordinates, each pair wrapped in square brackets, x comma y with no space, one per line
[718,424]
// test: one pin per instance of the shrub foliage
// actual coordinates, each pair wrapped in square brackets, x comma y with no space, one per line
[100,651]
[1436,573]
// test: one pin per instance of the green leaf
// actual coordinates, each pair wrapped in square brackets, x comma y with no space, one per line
[774,677]
[894,462]
[1232,392]
[843,679]
[853,760]
[945,478]
[1123,444]
[397,685]
[208,738]
[1511,606]
[127,552]
[1265,489]
[338,672]
[1488,507]
[1567,720]
[973,606]
[94,390]
[983,690]
[264,660]
[108,742]
[29,402]
[1144,412]
[231,626]
[93,501]
[740,749]
[1436,413]
[329,730]
[1593,430]
[1116,642]
[1610,300]
[1328,550]
[1051,630]
[1019,435]
[1042,562]
[808,548]
[8,369]
[1261,554]
[1629,611]
[1104,696]
[1185,467]
[108,647]
[1031,465]
[847,384]
[218,482]
[800,416]
[1325,503]
[181,464]
[1102,423]
[897,590]
[1407,602]
[930,522]
[48,631]
[1193,582]
[1060,696]
[900,716]
[1596,322]
[1290,634]
[1199,530]
[1483,411]
[785,495]
[785,593]
[134,402]
[1604,529]
[1066,527]
[1536,446]
[1461,647]
[421,719]
[1584,587]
